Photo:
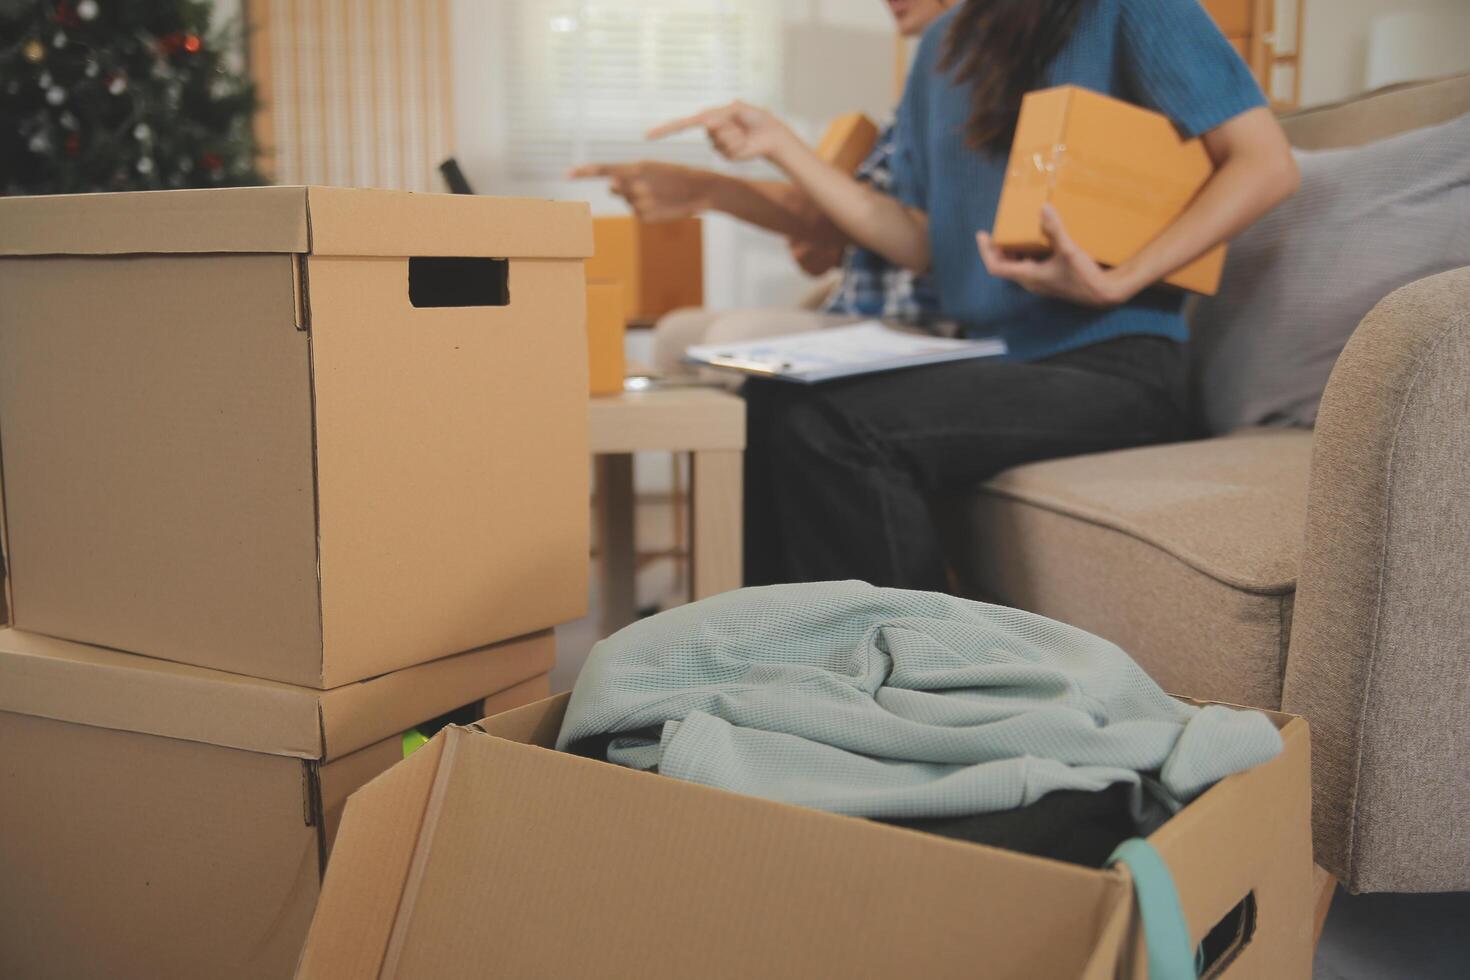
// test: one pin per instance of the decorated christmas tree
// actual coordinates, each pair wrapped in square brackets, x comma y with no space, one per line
[104,95]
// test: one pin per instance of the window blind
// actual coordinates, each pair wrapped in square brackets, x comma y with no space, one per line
[583,79]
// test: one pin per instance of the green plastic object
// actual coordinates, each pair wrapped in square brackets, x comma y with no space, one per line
[413,740]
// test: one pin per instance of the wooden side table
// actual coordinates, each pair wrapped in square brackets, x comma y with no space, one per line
[707,424]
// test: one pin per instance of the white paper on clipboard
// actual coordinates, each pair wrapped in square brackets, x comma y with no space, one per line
[840,352]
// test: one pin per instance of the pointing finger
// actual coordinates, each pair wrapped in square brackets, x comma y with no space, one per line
[707,118]
[588,170]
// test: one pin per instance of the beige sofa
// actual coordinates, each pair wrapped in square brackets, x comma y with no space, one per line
[1324,572]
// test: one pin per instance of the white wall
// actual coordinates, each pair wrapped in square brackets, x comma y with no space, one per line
[1335,43]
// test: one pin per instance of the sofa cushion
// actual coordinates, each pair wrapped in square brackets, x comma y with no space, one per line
[1366,221]
[1185,555]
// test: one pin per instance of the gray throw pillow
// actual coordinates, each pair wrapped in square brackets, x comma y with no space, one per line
[1367,220]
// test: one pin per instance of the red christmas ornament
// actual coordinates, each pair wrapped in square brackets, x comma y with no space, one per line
[171,43]
[191,44]
[73,145]
[66,15]
[212,161]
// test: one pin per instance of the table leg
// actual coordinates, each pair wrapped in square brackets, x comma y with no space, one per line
[617,559]
[715,541]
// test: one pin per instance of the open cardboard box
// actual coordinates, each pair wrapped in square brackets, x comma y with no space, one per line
[159,820]
[488,853]
[312,434]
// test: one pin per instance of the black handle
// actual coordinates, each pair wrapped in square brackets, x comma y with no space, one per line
[442,281]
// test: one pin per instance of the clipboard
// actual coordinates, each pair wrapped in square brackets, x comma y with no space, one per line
[841,352]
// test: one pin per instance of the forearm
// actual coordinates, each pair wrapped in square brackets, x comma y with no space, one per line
[1241,190]
[870,218]
[776,206]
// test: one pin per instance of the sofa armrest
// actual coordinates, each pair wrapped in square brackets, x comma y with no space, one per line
[1379,661]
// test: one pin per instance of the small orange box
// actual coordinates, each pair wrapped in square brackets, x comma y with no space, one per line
[1116,173]
[660,265]
[848,141]
[1234,17]
[605,327]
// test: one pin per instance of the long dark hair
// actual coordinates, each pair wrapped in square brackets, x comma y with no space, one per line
[1002,48]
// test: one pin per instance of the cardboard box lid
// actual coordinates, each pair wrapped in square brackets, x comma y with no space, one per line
[74,682]
[316,220]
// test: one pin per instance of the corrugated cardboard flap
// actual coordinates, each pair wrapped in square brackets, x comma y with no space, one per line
[532,724]
[361,897]
[318,220]
[104,688]
[66,681]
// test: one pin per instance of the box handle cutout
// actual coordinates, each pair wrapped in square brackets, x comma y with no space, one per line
[437,281]
[1224,942]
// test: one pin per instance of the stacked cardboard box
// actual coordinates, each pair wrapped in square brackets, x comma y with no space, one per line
[165,820]
[316,460]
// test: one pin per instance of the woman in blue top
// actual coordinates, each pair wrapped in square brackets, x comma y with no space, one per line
[839,475]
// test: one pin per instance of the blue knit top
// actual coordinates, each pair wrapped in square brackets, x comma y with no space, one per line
[1166,55]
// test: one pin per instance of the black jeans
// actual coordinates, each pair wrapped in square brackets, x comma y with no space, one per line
[839,475]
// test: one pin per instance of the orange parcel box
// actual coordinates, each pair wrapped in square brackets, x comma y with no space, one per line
[1116,173]
[607,364]
[848,141]
[659,264]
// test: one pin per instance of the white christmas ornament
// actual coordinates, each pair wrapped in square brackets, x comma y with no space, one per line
[87,9]
[55,95]
[141,132]
[145,165]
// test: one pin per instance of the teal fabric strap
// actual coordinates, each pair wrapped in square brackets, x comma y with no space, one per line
[1164,930]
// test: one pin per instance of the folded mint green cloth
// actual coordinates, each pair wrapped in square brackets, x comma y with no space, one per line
[889,703]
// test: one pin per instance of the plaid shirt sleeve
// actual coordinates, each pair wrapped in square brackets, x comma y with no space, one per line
[871,286]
